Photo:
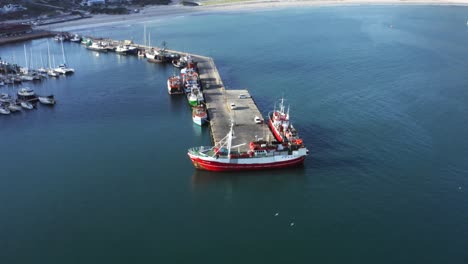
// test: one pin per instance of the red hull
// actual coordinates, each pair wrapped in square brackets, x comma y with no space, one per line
[278,137]
[219,166]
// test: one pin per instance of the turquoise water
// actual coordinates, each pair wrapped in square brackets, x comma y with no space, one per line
[379,95]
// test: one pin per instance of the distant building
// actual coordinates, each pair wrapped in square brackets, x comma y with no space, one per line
[10,8]
[7,29]
[93,2]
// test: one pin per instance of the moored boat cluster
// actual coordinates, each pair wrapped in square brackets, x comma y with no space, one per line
[287,150]
[26,98]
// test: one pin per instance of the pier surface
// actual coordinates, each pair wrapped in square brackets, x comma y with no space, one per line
[218,102]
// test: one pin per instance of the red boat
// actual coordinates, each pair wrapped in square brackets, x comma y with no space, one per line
[281,127]
[261,155]
[174,85]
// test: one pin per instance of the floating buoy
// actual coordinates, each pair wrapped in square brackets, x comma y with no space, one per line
[291,224]
[97,54]
[276,214]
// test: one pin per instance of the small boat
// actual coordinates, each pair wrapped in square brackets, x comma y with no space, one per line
[2,83]
[86,41]
[26,77]
[52,73]
[5,98]
[76,38]
[178,63]
[174,85]
[47,100]
[59,37]
[121,49]
[13,107]
[141,54]
[4,110]
[26,105]
[97,47]
[199,115]
[64,69]
[27,94]
[42,70]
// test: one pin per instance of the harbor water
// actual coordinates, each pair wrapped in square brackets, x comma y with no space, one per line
[378,94]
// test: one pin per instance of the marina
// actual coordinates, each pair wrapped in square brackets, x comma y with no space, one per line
[228,111]
[381,110]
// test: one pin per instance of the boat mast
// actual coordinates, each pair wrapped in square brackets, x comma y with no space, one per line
[144,34]
[48,54]
[229,141]
[25,57]
[63,53]
[31,58]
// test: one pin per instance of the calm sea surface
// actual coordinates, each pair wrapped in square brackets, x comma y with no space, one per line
[379,95]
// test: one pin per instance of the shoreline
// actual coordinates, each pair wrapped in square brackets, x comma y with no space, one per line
[152,13]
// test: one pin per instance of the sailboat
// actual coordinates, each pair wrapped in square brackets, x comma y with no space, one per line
[50,70]
[63,68]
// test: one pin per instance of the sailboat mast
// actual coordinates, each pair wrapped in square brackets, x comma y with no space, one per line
[48,54]
[31,58]
[63,53]
[144,34]
[25,57]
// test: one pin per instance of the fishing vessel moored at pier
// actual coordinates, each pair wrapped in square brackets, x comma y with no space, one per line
[260,156]
[281,126]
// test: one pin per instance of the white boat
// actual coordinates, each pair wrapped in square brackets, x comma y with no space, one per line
[97,47]
[48,100]
[4,110]
[52,73]
[63,69]
[2,83]
[5,98]
[26,78]
[26,92]
[122,49]
[13,107]
[75,38]
[26,105]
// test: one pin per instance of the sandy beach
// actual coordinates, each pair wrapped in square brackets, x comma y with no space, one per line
[156,12]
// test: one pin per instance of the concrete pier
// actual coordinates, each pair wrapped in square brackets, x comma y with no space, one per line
[218,102]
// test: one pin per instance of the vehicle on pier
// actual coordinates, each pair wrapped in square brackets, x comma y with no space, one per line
[261,155]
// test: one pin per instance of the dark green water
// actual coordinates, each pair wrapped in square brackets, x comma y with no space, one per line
[379,95]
